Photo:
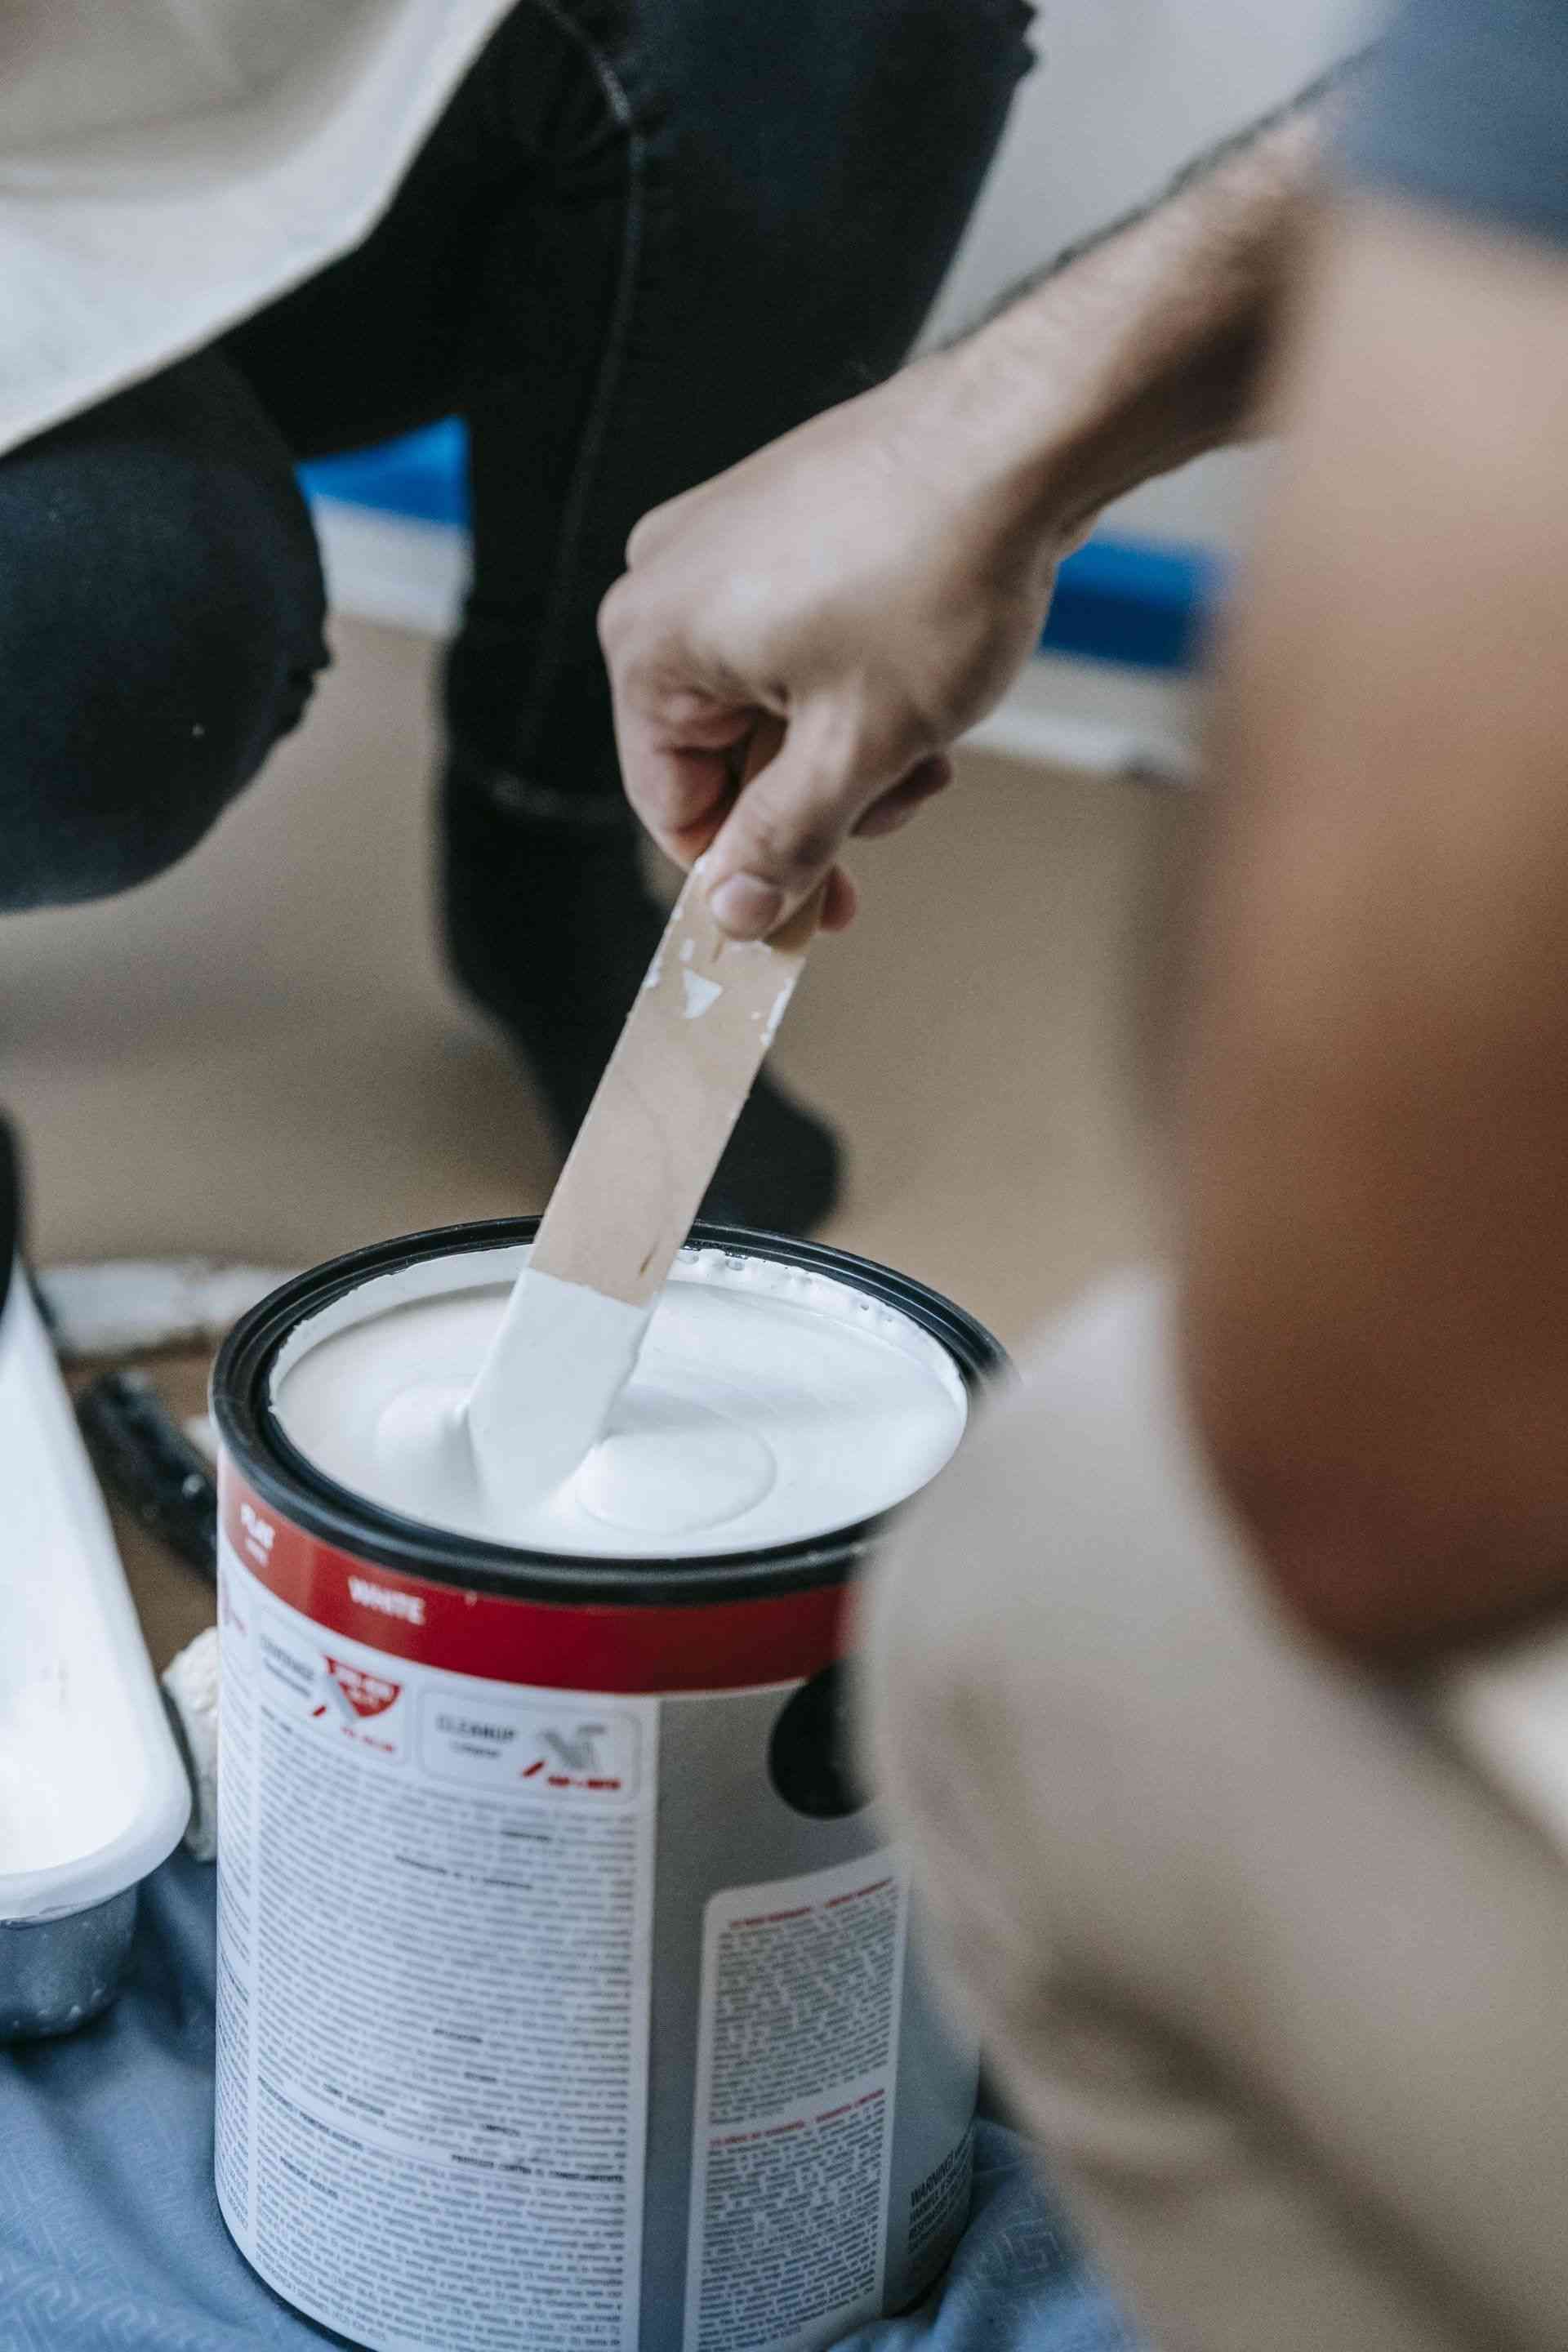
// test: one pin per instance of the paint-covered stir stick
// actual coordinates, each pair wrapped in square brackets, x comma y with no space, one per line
[644,1157]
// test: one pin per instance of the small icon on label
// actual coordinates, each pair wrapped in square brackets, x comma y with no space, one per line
[577,1751]
[259,1533]
[581,1757]
[366,1693]
[506,1743]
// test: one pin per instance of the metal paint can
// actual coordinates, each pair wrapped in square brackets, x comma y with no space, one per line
[567,1996]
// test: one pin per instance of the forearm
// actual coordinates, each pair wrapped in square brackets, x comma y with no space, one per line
[902,547]
[1144,346]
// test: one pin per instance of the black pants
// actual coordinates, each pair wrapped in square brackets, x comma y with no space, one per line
[646,236]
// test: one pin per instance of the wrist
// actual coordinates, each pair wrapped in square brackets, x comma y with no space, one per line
[1114,374]
[1008,436]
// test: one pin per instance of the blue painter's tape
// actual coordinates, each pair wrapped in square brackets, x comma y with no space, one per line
[422,474]
[1144,603]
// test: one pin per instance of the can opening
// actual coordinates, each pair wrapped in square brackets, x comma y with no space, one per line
[844,1472]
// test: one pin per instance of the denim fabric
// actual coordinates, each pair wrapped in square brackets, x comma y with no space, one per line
[111,2235]
[642,240]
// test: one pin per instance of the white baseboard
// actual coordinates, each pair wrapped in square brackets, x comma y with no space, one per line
[1097,717]
[1103,720]
[393,569]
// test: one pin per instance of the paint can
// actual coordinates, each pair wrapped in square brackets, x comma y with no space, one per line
[567,1997]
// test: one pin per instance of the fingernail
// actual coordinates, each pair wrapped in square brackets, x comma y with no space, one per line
[746,907]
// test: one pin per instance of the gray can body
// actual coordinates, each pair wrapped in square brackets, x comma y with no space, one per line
[568,1998]
[57,1973]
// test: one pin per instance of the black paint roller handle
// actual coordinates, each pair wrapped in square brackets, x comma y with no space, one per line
[150,1467]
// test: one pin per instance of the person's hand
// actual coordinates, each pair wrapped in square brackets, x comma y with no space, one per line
[874,579]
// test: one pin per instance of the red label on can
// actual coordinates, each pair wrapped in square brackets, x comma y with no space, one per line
[700,1645]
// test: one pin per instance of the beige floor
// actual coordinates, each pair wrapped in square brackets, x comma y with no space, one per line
[256,1054]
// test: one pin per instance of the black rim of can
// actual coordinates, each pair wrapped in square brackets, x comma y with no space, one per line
[290,1485]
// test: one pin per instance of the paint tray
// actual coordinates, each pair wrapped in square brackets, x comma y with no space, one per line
[93,1794]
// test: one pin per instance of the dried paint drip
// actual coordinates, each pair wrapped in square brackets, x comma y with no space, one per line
[769,1404]
[701,994]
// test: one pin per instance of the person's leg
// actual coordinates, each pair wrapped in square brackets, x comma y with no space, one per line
[161,627]
[1273,1974]
[745,218]
[748,220]
[642,242]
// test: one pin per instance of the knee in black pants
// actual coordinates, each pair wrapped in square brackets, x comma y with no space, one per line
[161,626]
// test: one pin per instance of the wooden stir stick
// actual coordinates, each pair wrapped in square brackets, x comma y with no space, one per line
[685,1062]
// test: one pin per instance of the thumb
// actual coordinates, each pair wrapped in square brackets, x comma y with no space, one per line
[790,820]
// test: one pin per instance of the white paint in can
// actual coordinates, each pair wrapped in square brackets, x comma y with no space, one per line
[769,1405]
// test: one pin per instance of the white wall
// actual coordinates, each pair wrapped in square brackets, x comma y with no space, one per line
[1124,93]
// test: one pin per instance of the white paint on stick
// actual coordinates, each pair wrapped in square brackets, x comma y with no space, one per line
[701,994]
[559,1360]
[781,1005]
